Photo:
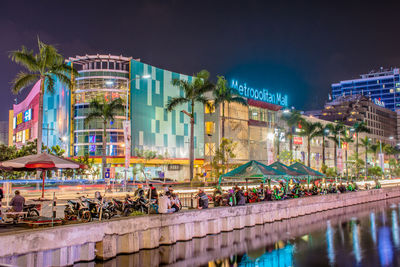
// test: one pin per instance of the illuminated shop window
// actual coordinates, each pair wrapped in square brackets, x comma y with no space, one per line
[210,127]
[209,110]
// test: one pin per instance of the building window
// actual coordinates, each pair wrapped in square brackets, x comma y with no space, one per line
[209,110]
[210,127]
[392,90]
[210,149]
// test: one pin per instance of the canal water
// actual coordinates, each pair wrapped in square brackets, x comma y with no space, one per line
[362,235]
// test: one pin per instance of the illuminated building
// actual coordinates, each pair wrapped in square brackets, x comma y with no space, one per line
[252,127]
[349,109]
[382,86]
[152,127]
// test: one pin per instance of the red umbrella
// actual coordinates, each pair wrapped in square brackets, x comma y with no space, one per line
[42,161]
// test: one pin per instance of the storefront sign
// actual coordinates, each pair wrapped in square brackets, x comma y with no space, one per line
[260,94]
[174,167]
[378,102]
[297,140]
[28,115]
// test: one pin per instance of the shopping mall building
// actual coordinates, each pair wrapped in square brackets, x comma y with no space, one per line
[145,88]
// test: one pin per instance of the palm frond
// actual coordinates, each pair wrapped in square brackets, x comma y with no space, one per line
[49,83]
[202,99]
[176,101]
[23,80]
[93,115]
[25,58]
[64,79]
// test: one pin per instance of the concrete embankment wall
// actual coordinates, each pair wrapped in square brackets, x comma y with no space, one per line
[64,245]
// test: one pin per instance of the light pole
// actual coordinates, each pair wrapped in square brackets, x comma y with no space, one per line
[127,125]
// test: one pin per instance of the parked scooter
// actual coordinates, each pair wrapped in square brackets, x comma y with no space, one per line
[76,210]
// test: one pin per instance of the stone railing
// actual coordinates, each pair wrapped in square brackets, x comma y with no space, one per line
[64,245]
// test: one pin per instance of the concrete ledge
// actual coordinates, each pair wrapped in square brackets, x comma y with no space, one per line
[64,245]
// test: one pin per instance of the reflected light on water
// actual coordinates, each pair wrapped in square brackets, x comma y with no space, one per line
[356,241]
[385,247]
[395,229]
[329,242]
[373,226]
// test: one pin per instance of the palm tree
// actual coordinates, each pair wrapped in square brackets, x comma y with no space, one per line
[346,138]
[291,118]
[224,94]
[323,131]
[366,144]
[193,92]
[46,66]
[104,111]
[359,127]
[310,131]
[335,130]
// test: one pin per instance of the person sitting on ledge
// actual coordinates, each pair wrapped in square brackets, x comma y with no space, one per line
[202,200]
[17,203]
[164,204]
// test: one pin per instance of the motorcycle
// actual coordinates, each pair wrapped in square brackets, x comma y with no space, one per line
[75,210]
[32,210]
[98,208]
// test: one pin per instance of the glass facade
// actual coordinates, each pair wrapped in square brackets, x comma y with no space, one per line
[153,127]
[383,88]
[99,84]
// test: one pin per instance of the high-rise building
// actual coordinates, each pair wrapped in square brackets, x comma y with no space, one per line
[382,86]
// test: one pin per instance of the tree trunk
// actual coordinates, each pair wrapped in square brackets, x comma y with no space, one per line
[223,122]
[347,172]
[335,156]
[191,152]
[103,158]
[309,151]
[323,150]
[366,162]
[40,117]
[291,144]
[357,146]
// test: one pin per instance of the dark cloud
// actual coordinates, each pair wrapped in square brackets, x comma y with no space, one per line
[296,47]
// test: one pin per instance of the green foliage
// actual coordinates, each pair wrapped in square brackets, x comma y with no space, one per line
[310,130]
[224,94]
[286,156]
[375,171]
[324,168]
[331,172]
[86,161]
[223,154]
[48,64]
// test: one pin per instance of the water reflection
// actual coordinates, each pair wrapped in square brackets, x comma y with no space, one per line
[356,240]
[373,226]
[329,243]
[349,236]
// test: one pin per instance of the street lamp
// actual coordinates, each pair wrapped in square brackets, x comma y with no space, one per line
[127,124]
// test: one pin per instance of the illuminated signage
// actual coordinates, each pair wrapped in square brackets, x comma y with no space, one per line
[297,140]
[28,115]
[260,94]
[19,118]
[378,102]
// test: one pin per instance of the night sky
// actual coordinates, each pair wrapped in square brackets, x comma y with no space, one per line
[299,49]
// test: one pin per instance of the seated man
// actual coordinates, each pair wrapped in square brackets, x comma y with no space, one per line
[164,204]
[17,202]
[202,200]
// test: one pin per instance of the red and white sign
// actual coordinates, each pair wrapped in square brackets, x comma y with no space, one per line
[297,140]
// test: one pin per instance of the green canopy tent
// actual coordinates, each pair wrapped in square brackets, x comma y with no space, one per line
[289,171]
[251,170]
[307,171]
